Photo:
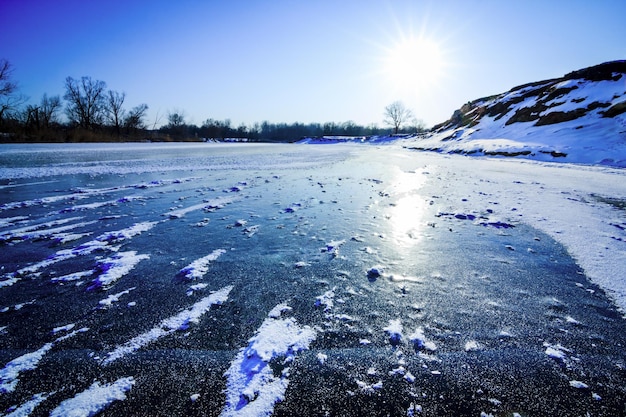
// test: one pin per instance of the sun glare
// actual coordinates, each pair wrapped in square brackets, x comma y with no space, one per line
[414,64]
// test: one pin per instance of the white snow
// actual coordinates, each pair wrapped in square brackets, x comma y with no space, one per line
[42,230]
[72,334]
[102,242]
[278,310]
[194,288]
[578,384]
[199,267]
[114,268]
[326,300]
[394,330]
[114,298]
[555,353]
[277,337]
[126,233]
[94,399]
[63,328]
[333,246]
[170,325]
[72,277]
[369,389]
[29,361]
[420,341]
[29,406]
[471,346]
[215,203]
[7,221]
[252,388]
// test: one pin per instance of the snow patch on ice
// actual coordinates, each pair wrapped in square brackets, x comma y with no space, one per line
[557,351]
[471,346]
[199,267]
[114,268]
[65,328]
[420,341]
[252,388]
[94,399]
[326,300]
[194,288]
[72,277]
[369,389]
[102,242]
[27,362]
[394,330]
[333,246]
[29,406]
[207,205]
[578,384]
[170,325]
[114,298]
[43,230]
[278,310]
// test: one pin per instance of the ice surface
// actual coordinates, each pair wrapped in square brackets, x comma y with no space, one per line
[94,399]
[424,303]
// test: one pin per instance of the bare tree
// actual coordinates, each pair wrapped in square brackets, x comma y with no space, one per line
[48,110]
[114,111]
[10,100]
[40,117]
[176,118]
[396,115]
[134,119]
[85,101]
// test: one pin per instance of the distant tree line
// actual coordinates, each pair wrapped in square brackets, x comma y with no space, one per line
[95,113]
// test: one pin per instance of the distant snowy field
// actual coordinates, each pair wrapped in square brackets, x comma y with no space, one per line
[249,280]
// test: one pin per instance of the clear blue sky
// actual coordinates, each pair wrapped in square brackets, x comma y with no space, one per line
[306,61]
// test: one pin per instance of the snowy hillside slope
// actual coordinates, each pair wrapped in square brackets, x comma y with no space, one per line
[579,118]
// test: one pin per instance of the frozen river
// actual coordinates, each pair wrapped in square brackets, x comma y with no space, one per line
[207,280]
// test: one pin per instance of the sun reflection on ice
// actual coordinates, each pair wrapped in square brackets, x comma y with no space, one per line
[406,214]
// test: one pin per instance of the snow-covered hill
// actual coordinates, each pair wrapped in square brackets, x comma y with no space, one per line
[580,118]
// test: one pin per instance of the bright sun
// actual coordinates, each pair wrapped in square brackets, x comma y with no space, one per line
[414,64]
